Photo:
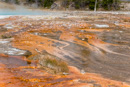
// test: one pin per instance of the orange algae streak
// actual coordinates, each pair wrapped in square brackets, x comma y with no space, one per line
[32,42]
[31,76]
[28,78]
[7,78]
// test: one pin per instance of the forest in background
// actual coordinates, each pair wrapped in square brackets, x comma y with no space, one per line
[75,4]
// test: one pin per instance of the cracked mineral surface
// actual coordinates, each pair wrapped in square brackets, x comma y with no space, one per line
[95,47]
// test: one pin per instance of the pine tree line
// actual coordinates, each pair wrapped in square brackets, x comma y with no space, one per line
[77,4]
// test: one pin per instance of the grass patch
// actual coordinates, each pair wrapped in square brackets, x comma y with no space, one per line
[5,36]
[51,64]
[56,66]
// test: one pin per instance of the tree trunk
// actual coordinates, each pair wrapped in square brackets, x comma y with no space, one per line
[95,9]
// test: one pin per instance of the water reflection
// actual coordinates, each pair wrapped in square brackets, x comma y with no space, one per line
[79,46]
[21,10]
[13,62]
[25,12]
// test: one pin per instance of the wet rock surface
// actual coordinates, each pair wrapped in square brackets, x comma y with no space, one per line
[94,43]
[6,48]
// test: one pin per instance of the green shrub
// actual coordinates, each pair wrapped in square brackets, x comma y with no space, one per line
[111,4]
[48,3]
[6,36]
[51,63]
[56,65]
[16,1]
[7,1]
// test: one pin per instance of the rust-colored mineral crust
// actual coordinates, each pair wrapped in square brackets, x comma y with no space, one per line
[96,49]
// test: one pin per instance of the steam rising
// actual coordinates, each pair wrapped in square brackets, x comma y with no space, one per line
[7,9]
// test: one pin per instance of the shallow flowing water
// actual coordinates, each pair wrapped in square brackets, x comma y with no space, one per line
[96,43]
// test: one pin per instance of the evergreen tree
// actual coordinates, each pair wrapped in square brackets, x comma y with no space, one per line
[78,4]
[110,4]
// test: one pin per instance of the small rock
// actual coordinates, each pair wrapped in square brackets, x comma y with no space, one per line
[101,25]
[83,39]
[121,31]
[82,71]
[64,73]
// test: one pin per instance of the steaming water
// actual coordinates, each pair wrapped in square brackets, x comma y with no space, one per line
[25,12]
[7,9]
[5,13]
